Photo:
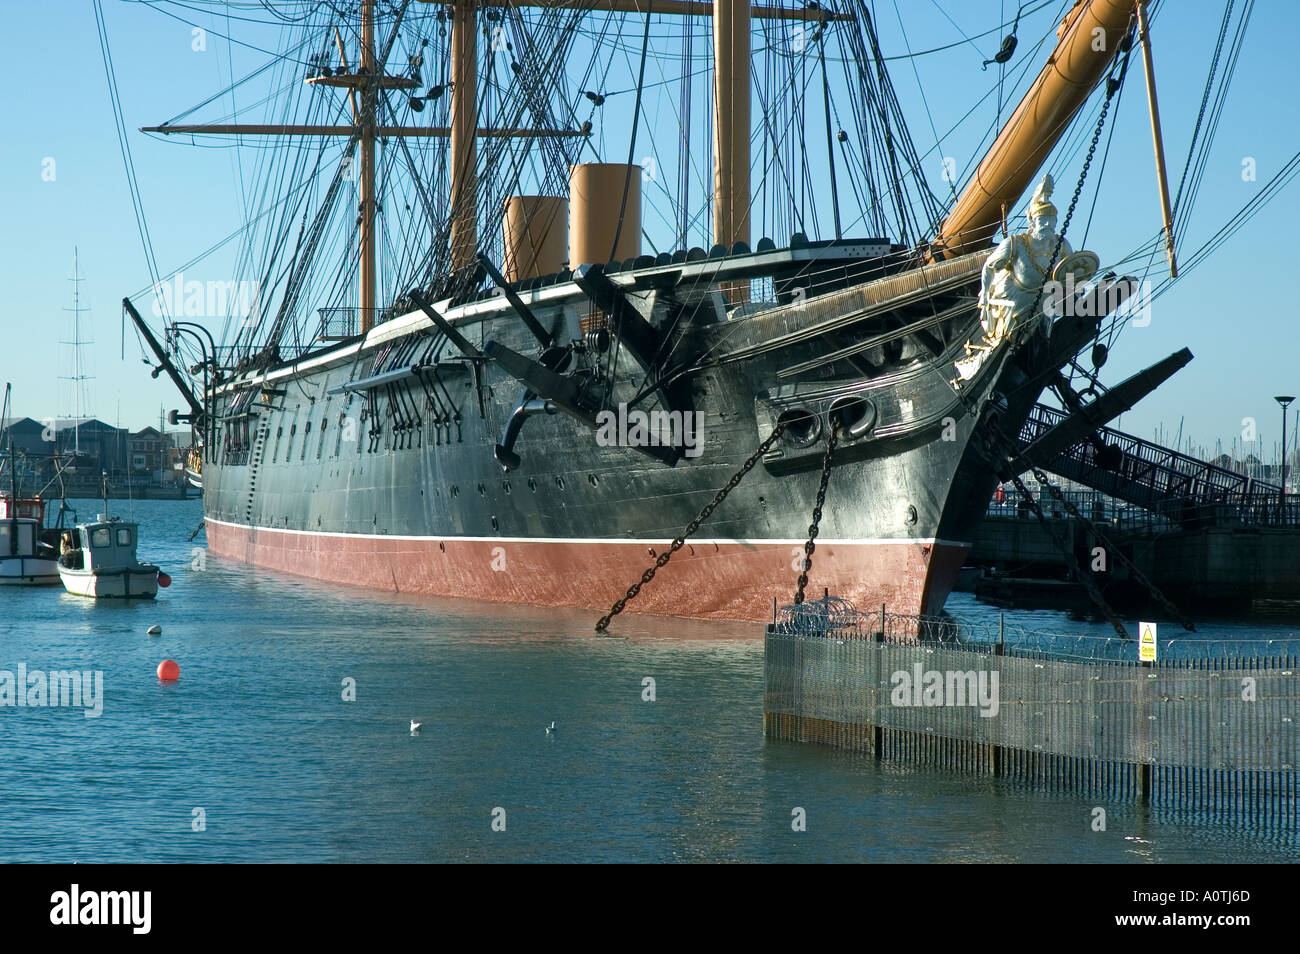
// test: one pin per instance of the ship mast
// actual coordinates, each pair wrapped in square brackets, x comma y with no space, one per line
[731,116]
[731,104]
[79,378]
[367,81]
[463,173]
[731,36]
[369,97]
[13,476]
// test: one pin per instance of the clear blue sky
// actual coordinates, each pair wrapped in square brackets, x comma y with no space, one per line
[1237,312]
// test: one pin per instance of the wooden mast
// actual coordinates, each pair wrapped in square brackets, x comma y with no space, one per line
[731,35]
[464,147]
[731,115]
[731,122]
[368,80]
[369,97]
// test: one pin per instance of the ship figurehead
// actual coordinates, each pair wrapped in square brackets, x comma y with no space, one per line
[1014,280]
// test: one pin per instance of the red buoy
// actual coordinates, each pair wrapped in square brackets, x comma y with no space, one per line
[164,579]
[169,670]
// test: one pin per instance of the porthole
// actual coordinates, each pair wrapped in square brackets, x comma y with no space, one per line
[854,415]
[802,427]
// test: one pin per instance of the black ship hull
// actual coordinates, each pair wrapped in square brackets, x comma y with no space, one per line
[381,465]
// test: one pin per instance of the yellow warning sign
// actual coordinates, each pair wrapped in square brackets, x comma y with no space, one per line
[1147,642]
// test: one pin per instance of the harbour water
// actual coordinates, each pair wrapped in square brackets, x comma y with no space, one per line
[255,754]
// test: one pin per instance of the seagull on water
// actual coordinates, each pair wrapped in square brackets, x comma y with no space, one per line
[415,726]
[550,728]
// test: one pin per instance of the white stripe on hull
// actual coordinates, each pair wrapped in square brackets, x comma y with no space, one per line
[639,541]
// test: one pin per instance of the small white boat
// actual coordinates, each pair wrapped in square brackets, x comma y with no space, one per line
[27,553]
[100,562]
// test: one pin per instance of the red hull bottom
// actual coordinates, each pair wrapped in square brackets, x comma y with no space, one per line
[735,580]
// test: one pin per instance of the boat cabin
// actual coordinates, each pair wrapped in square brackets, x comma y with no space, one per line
[33,508]
[105,543]
[28,549]
[22,528]
[18,537]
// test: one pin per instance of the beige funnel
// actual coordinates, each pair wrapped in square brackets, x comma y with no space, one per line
[595,199]
[536,236]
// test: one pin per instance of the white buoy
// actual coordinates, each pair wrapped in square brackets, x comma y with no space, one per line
[155,630]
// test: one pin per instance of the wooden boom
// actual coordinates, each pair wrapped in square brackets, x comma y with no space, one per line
[1090,36]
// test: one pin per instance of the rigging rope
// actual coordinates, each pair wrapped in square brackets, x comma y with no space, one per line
[124,147]
[1205,100]
[636,124]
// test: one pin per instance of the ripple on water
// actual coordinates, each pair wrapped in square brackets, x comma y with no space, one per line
[256,733]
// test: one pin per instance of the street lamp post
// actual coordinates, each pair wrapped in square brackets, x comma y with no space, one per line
[1284,400]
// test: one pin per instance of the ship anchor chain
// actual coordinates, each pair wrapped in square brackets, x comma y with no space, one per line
[832,441]
[1116,552]
[1094,592]
[602,625]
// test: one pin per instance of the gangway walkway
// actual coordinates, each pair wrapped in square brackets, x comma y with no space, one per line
[1158,479]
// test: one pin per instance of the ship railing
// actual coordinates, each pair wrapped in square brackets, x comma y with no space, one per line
[1148,474]
[1250,513]
[1093,504]
[338,323]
